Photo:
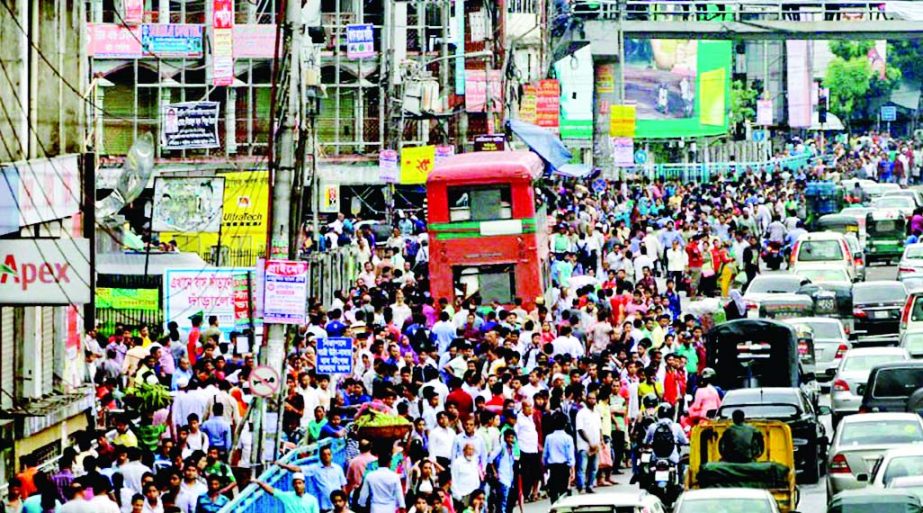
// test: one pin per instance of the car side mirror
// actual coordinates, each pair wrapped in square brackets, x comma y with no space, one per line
[862,478]
[824,410]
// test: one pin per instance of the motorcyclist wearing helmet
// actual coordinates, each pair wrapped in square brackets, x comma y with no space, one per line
[665,414]
[646,418]
[706,398]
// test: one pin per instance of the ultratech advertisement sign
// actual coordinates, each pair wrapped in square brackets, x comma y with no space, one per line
[44,271]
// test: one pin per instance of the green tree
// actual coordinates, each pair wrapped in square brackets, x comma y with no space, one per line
[852,82]
[907,56]
[743,104]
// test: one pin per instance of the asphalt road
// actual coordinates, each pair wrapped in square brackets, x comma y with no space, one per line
[813,497]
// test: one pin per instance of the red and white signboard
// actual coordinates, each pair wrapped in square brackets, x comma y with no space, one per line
[285,298]
[112,41]
[254,41]
[223,43]
[264,381]
[45,271]
[134,12]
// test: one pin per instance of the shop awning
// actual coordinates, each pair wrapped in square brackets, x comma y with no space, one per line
[549,147]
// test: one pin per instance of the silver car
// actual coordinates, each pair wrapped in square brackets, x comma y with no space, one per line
[830,343]
[912,342]
[860,443]
[911,263]
[854,369]
[719,500]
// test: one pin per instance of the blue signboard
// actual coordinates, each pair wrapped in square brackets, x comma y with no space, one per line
[640,157]
[759,135]
[889,113]
[599,185]
[164,40]
[334,355]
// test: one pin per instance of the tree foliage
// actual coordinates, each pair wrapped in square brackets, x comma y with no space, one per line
[743,103]
[852,82]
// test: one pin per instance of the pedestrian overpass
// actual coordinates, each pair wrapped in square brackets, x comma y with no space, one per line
[748,20]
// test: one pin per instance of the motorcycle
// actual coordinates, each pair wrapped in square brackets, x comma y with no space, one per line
[665,482]
[772,255]
[645,467]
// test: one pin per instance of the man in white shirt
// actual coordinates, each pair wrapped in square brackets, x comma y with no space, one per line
[101,503]
[381,490]
[190,489]
[566,343]
[589,435]
[530,459]
[441,439]
[466,474]
[444,330]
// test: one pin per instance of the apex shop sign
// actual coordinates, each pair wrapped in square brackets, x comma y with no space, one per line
[45,271]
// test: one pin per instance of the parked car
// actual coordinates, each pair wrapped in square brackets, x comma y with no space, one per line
[609,502]
[772,283]
[716,500]
[793,407]
[893,387]
[830,343]
[900,462]
[902,204]
[822,250]
[912,313]
[824,273]
[874,501]
[912,342]
[861,441]
[852,372]
[913,484]
[913,194]
[911,261]
[877,307]
[858,254]
[912,283]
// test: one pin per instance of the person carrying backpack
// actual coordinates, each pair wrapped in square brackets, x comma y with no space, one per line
[666,436]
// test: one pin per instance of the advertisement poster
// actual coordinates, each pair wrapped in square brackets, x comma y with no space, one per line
[623,151]
[330,198]
[147,300]
[334,355]
[388,170]
[223,58]
[285,298]
[45,271]
[576,78]
[111,41]
[605,78]
[360,41]
[254,41]
[764,112]
[622,120]
[202,291]
[528,104]
[189,125]
[223,17]
[187,204]
[166,40]
[680,87]
[548,104]
[242,304]
[416,164]
[800,82]
[477,93]
[134,12]
[58,178]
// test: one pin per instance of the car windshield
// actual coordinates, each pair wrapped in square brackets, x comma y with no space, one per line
[867,361]
[820,251]
[914,252]
[878,293]
[825,329]
[774,286]
[913,343]
[877,433]
[824,275]
[903,466]
[897,382]
[893,201]
[726,506]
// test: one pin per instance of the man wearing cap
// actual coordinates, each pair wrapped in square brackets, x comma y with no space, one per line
[295,501]
[322,478]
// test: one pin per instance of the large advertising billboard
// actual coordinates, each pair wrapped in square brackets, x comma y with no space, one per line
[680,88]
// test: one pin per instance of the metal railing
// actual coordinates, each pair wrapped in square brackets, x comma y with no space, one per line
[731,10]
[254,499]
[698,172]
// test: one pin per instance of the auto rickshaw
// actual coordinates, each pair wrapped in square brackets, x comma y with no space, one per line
[843,224]
[773,470]
[886,235]
[882,500]
[753,353]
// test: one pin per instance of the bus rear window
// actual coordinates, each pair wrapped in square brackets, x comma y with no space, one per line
[480,203]
[490,282]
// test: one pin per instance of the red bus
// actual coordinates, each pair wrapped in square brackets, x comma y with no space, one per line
[486,235]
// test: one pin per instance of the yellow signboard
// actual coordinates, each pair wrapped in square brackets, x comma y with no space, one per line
[711,89]
[622,120]
[416,164]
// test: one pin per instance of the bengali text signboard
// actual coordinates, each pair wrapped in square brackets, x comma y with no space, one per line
[111,41]
[360,41]
[189,125]
[334,355]
[285,298]
[202,291]
[171,40]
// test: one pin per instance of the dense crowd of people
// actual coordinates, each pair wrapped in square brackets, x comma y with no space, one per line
[510,399]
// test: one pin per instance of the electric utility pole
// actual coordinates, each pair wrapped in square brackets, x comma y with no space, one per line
[283,224]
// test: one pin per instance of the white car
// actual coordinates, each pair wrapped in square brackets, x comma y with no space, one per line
[912,342]
[726,500]
[823,250]
[903,204]
[911,263]
[824,274]
[853,370]
[609,502]
[902,462]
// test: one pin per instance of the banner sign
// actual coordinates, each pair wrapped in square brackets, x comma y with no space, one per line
[477,93]
[623,151]
[241,301]
[223,38]
[416,164]
[527,103]
[490,142]
[166,40]
[189,125]
[285,299]
[388,170]
[187,204]
[147,300]
[360,41]
[548,104]
[764,112]
[111,41]
[334,355]
[58,179]
[45,271]
[622,120]
[202,291]
[134,12]
[254,41]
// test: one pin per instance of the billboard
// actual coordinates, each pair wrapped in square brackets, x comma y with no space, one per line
[189,125]
[187,204]
[39,190]
[206,291]
[45,271]
[679,87]
[575,73]
[171,40]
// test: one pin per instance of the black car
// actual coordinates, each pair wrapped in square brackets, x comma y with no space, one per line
[793,407]
[893,387]
[877,307]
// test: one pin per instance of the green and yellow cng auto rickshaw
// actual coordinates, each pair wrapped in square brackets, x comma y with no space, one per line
[886,235]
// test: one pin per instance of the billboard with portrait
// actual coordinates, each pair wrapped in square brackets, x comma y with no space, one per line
[188,204]
[679,87]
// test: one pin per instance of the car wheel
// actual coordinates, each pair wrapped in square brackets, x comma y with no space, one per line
[811,473]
